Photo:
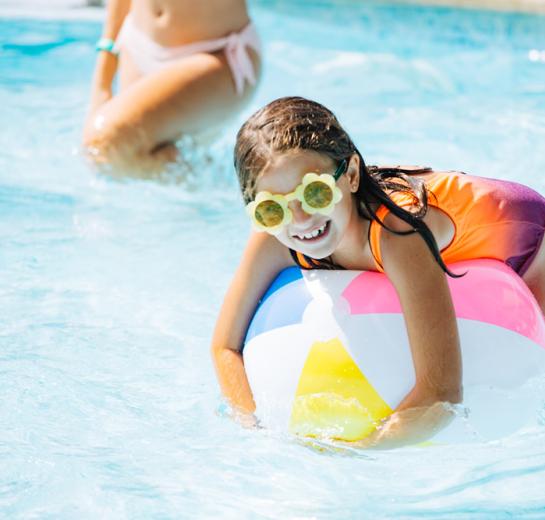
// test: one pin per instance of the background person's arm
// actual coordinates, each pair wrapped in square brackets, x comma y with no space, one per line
[106,64]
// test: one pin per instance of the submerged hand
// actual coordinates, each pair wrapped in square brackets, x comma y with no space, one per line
[244,418]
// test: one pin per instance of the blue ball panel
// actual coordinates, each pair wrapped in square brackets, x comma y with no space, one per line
[272,311]
[288,275]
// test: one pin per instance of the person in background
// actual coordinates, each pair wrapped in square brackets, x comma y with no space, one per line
[184,67]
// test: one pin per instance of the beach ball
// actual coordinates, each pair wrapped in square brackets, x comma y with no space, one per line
[327,353]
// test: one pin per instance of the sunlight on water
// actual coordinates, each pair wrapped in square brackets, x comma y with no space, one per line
[110,289]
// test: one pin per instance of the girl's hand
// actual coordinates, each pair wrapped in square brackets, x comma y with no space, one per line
[244,418]
[409,426]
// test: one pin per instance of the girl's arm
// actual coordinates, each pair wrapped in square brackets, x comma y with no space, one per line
[262,260]
[433,336]
[106,64]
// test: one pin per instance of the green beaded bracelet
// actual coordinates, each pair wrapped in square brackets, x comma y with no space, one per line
[107,45]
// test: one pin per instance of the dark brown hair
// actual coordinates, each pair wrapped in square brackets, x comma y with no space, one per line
[295,123]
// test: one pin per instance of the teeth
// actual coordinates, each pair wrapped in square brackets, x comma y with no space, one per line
[313,234]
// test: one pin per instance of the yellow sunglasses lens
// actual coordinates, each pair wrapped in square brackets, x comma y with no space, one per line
[269,213]
[318,194]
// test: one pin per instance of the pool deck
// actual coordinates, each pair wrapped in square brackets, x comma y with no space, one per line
[521,6]
[91,9]
[51,9]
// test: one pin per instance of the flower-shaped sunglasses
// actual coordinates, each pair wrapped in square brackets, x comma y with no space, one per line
[317,194]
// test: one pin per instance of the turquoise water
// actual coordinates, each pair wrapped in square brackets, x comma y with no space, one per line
[109,290]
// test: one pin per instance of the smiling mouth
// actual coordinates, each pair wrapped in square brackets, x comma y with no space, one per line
[314,235]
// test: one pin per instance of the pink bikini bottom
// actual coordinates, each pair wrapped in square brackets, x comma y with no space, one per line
[150,57]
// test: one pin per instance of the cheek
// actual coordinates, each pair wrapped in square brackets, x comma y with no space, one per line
[343,210]
[284,238]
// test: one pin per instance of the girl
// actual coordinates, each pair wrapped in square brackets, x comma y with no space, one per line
[184,67]
[315,203]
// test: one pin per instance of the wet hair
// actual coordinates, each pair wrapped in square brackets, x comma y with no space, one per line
[295,123]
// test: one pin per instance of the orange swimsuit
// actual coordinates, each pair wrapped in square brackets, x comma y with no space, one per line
[492,218]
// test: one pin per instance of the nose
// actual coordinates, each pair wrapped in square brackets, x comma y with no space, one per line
[299,216]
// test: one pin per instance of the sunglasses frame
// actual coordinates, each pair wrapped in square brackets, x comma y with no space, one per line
[298,194]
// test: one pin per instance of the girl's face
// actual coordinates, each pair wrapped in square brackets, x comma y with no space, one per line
[317,236]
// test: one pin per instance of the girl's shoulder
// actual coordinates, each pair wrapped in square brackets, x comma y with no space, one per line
[264,251]
[415,190]
[396,179]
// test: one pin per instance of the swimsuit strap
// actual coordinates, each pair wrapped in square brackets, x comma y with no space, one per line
[303,261]
[404,200]
[307,263]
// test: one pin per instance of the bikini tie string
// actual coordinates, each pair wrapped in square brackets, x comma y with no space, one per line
[239,60]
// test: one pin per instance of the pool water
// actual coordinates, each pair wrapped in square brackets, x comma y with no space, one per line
[109,290]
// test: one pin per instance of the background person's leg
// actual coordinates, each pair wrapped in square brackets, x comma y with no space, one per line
[134,132]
